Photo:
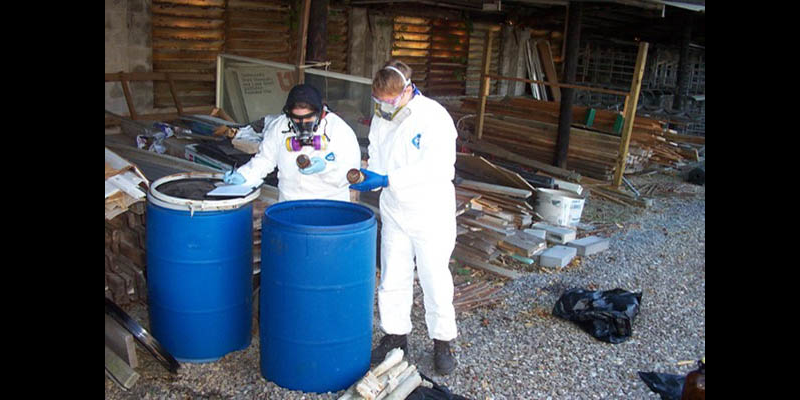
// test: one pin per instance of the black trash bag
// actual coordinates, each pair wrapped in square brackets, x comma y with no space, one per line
[437,392]
[606,315]
[668,386]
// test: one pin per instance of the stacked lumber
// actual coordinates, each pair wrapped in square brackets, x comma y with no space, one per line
[125,256]
[530,127]
[490,212]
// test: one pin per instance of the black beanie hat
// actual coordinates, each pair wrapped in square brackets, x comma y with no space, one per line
[303,93]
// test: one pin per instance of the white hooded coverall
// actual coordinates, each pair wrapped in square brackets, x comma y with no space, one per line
[417,215]
[341,154]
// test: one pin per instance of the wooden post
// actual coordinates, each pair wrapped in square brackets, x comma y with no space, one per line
[485,83]
[174,92]
[630,112]
[567,94]
[682,82]
[303,39]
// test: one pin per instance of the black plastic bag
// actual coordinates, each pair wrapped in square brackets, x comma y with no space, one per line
[606,315]
[438,392]
[668,386]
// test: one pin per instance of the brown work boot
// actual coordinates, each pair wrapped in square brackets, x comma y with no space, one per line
[388,342]
[443,361]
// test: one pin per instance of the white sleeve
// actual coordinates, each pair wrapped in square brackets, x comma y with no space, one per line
[266,159]
[374,161]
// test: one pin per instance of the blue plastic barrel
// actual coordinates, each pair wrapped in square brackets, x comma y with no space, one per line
[199,271]
[317,291]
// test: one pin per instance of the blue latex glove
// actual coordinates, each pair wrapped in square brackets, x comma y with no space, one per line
[233,178]
[317,165]
[371,181]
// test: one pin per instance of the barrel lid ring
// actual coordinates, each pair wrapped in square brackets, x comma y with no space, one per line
[177,203]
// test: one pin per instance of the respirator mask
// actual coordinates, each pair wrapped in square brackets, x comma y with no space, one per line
[390,109]
[304,131]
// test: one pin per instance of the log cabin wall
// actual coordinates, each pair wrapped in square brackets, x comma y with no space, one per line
[128,48]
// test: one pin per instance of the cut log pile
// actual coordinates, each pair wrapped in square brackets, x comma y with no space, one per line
[530,128]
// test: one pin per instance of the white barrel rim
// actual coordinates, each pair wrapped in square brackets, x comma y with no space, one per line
[177,203]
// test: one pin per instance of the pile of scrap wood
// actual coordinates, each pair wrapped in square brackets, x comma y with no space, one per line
[530,127]
[493,216]
[125,184]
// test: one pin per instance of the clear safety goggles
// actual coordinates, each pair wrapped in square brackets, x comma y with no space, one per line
[393,102]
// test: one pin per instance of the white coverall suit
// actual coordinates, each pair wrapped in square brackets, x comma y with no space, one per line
[418,215]
[341,154]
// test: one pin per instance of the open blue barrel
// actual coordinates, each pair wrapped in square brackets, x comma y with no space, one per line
[199,267]
[317,290]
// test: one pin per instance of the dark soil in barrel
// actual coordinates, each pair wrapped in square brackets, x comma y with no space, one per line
[190,189]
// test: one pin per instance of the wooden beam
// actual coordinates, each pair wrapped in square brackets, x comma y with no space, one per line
[563,85]
[630,112]
[485,85]
[303,38]
[157,76]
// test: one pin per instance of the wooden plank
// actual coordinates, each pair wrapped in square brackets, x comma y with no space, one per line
[549,67]
[482,168]
[475,263]
[120,372]
[121,342]
[492,188]
[630,112]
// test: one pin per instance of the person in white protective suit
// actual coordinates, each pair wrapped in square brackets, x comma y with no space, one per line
[306,127]
[412,154]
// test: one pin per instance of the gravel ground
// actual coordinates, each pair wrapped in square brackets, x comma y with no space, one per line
[516,349]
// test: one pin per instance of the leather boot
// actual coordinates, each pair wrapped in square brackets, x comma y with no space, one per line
[443,361]
[388,342]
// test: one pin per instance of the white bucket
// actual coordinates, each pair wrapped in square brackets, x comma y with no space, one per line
[558,207]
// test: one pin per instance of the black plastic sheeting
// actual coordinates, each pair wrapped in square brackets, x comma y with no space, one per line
[606,315]
[668,386]
[437,392]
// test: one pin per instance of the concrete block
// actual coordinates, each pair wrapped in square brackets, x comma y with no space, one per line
[557,256]
[556,234]
[589,245]
[540,233]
